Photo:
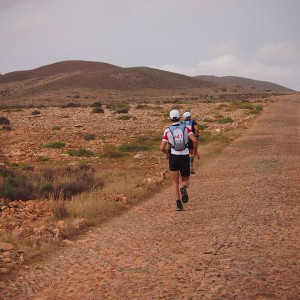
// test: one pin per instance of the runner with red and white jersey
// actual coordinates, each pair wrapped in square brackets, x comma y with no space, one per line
[179,161]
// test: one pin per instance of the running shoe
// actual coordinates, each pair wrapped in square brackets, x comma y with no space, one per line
[179,205]
[184,194]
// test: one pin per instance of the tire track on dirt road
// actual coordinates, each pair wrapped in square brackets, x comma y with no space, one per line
[238,238]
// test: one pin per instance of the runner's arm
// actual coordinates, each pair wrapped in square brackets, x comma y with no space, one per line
[196,130]
[195,144]
[163,148]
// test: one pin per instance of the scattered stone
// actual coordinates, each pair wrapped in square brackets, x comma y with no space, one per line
[79,223]
[6,246]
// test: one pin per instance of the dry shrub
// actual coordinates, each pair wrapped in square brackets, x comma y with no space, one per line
[16,186]
[65,182]
[59,209]
[97,110]
[94,207]
[111,151]
[32,248]
[125,183]
[4,120]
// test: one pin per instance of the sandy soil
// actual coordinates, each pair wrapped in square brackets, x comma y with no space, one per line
[238,237]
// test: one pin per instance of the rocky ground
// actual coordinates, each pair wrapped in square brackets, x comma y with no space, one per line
[30,131]
[238,237]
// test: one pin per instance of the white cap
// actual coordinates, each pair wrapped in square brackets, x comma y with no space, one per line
[174,114]
[186,115]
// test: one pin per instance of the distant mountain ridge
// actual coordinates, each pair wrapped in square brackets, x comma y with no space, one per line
[99,75]
[86,74]
[235,81]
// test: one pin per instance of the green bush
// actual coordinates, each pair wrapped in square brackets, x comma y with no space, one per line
[245,104]
[56,128]
[142,144]
[81,152]
[225,121]
[111,151]
[256,110]
[55,145]
[202,127]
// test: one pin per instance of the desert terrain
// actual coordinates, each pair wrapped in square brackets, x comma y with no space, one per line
[238,237]
[119,236]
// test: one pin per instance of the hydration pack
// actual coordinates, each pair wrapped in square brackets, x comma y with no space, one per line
[177,132]
[188,123]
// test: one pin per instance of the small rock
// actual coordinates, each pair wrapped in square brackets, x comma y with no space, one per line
[67,242]
[124,200]
[78,223]
[6,246]
[7,260]
[218,130]
[61,224]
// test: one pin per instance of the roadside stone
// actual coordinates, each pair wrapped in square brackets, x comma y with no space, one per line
[79,223]
[6,246]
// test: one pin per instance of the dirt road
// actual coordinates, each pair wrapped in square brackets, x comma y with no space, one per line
[238,238]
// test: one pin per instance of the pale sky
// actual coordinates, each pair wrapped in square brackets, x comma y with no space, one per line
[258,39]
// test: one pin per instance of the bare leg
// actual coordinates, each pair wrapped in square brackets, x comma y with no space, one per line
[185,181]
[185,184]
[192,161]
[175,184]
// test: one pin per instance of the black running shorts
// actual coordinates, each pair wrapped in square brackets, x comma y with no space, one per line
[180,163]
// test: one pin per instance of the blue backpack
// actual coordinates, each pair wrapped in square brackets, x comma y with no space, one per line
[178,137]
[188,123]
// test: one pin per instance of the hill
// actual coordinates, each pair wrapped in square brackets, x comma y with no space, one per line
[235,81]
[64,67]
[84,74]
[88,80]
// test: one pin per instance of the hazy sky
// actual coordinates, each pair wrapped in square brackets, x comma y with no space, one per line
[257,39]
